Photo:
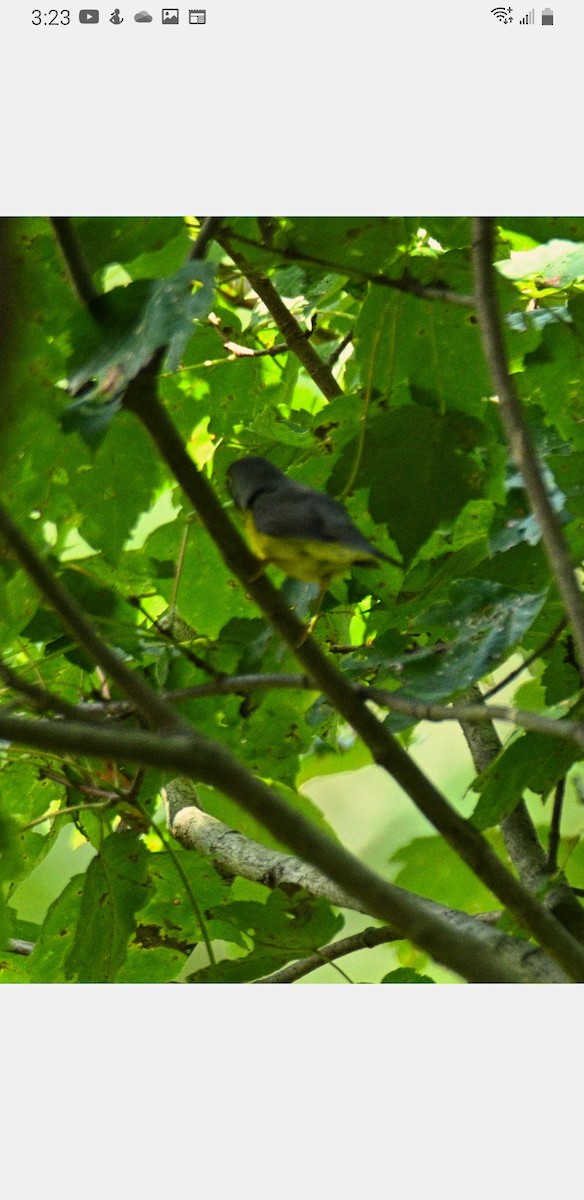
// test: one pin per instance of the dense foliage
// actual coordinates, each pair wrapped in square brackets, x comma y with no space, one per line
[349,353]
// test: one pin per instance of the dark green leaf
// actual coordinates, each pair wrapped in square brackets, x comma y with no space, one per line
[531,761]
[115,887]
[406,975]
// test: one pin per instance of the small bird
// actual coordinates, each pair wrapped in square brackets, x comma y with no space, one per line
[304,532]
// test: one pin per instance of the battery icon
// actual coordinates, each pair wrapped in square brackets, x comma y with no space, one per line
[547,16]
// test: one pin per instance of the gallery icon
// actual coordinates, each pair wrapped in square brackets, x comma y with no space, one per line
[170,16]
[89,16]
[142,17]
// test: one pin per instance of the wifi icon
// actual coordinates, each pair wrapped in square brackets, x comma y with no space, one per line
[503,14]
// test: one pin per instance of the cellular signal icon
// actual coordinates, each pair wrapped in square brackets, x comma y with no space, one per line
[529,18]
[503,14]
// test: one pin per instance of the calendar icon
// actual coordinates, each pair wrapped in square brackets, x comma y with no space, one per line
[197,16]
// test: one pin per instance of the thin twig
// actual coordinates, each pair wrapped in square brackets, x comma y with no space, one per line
[336,353]
[555,827]
[404,284]
[527,662]
[239,351]
[52,814]
[39,697]
[365,940]
[180,562]
[564,729]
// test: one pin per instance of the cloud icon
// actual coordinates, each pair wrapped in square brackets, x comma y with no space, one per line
[142,16]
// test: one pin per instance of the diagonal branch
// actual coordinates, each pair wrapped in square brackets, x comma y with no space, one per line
[295,338]
[518,434]
[147,701]
[75,259]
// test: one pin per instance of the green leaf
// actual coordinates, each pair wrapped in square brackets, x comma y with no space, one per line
[406,975]
[413,503]
[11,860]
[430,868]
[150,316]
[202,574]
[344,244]
[551,380]
[531,761]
[169,909]
[154,964]
[468,636]
[124,474]
[280,930]
[115,886]
[254,965]
[127,240]
[57,936]
[429,352]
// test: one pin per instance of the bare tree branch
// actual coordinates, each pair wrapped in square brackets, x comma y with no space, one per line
[517,432]
[235,854]
[564,729]
[295,338]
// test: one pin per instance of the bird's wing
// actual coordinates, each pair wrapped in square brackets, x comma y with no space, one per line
[298,512]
